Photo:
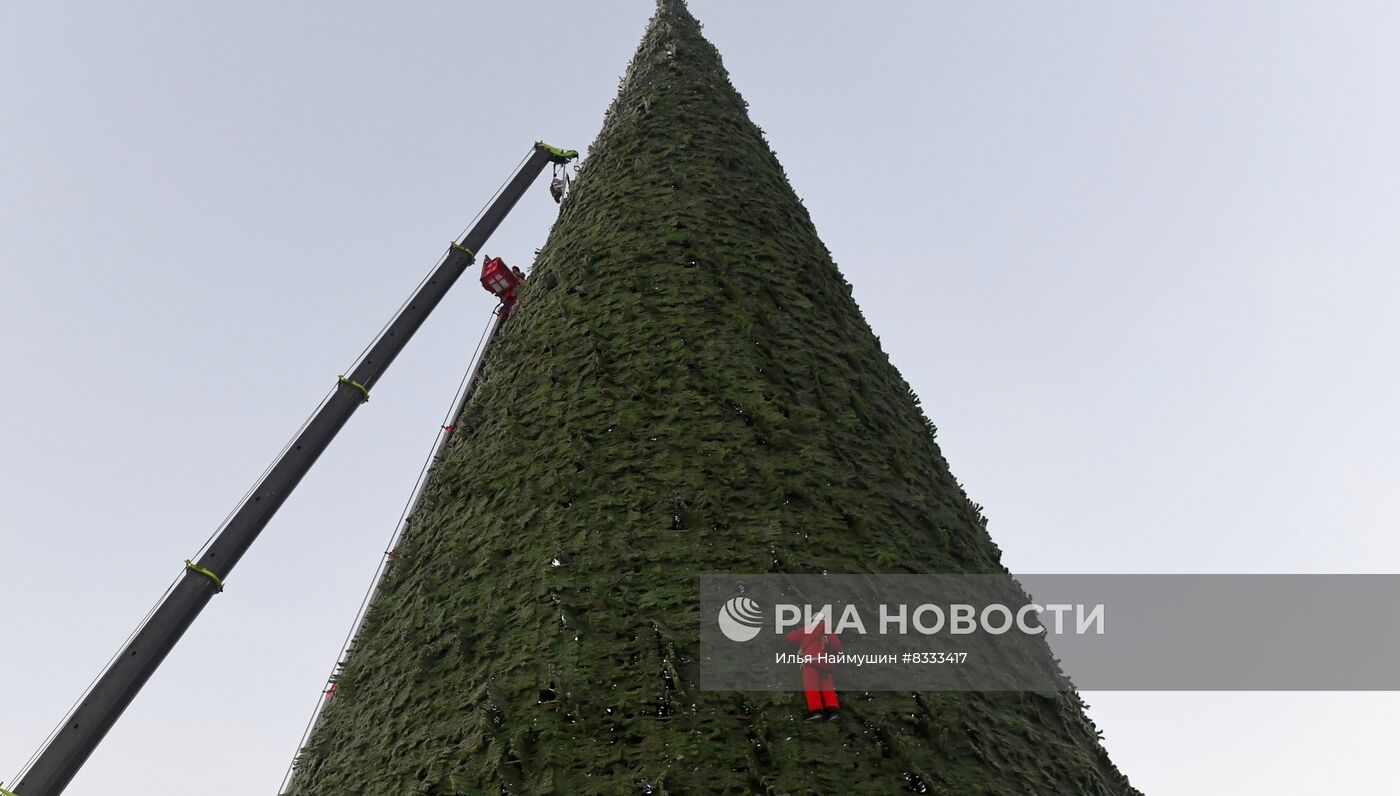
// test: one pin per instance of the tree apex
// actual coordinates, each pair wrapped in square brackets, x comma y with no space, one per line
[671,7]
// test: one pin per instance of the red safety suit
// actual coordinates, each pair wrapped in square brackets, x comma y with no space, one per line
[817,681]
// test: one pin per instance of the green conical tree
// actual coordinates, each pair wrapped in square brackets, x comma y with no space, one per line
[685,386]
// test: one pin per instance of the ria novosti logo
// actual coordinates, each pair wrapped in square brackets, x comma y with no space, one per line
[740,619]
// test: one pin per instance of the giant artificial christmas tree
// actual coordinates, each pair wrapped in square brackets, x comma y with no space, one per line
[685,386]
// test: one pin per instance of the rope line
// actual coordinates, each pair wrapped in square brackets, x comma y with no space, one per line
[380,334]
[24,770]
[504,183]
[271,464]
[439,441]
[168,589]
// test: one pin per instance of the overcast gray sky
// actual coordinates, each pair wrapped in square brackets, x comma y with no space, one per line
[1138,259]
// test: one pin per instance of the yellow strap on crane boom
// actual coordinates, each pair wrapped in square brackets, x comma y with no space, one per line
[193,567]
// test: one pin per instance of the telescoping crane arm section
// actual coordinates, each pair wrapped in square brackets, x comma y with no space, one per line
[85,727]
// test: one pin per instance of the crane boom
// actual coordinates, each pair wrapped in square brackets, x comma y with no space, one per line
[89,722]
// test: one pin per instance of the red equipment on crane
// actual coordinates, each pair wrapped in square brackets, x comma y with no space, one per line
[498,278]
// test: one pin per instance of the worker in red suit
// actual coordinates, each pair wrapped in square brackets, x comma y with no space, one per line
[817,681]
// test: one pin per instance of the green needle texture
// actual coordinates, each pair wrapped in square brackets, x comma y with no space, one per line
[685,386]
